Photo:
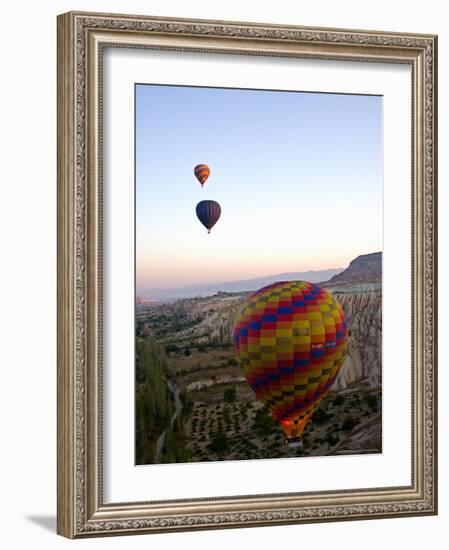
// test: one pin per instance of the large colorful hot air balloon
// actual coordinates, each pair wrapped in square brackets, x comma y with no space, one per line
[202,172]
[291,339]
[208,213]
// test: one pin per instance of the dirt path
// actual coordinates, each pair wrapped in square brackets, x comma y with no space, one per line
[174,390]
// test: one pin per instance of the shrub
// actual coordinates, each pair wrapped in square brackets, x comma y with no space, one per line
[219,443]
[229,395]
[349,423]
[320,417]
[371,401]
[331,439]
[264,423]
[171,348]
[338,400]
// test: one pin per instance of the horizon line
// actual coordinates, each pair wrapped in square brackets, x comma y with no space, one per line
[248,279]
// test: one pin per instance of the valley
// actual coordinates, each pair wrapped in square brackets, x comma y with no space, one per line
[191,391]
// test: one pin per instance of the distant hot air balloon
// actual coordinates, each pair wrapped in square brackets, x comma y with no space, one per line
[291,339]
[202,172]
[208,213]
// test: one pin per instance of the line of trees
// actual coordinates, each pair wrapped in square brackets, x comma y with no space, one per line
[153,408]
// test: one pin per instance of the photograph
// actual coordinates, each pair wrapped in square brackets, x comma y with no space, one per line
[258,274]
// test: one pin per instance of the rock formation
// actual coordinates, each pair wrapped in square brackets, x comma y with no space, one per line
[363,309]
[363,269]
[359,290]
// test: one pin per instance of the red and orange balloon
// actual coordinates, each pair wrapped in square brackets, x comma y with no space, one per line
[202,172]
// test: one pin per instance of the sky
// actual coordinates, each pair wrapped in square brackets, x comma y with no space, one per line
[298,176]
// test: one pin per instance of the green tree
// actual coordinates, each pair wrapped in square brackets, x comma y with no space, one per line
[229,395]
[320,416]
[153,409]
[219,443]
[349,423]
[264,423]
[331,439]
[339,400]
[371,401]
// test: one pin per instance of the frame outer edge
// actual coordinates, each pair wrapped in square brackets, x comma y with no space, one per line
[66,287]
[434,297]
[78,492]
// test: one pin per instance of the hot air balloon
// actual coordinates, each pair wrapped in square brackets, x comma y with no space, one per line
[202,172]
[208,213]
[291,339]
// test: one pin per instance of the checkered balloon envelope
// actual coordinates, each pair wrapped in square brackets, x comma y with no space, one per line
[291,339]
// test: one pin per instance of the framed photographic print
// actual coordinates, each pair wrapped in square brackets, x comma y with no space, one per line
[246,274]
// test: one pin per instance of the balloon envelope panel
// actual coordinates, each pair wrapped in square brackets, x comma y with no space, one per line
[291,339]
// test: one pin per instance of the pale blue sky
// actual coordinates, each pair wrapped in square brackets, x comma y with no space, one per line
[298,177]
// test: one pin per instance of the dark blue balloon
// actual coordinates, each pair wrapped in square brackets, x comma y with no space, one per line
[208,213]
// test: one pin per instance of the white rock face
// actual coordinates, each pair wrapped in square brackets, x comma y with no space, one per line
[363,309]
[219,316]
[201,384]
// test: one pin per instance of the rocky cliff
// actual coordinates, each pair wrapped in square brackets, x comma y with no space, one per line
[363,269]
[359,290]
[363,308]
[218,315]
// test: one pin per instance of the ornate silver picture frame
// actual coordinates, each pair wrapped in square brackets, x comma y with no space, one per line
[83,39]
